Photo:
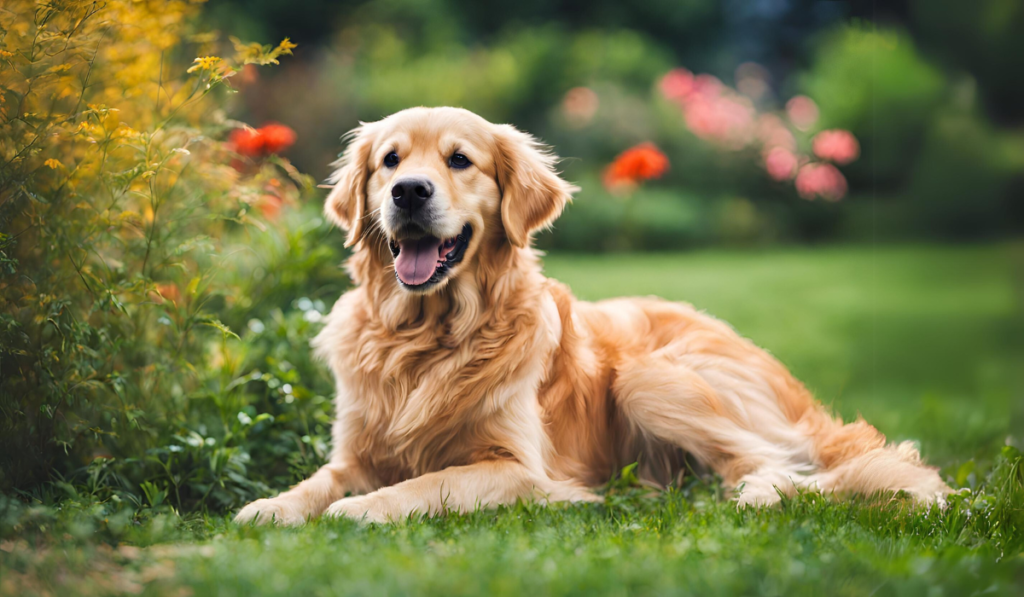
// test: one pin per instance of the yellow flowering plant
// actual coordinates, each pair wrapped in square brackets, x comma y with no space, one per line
[123,227]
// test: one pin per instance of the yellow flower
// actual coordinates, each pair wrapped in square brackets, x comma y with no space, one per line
[54,164]
[286,46]
[205,63]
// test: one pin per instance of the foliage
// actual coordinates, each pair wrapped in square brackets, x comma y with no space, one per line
[877,85]
[872,79]
[134,247]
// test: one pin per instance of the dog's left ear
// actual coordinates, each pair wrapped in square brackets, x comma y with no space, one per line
[532,193]
[346,203]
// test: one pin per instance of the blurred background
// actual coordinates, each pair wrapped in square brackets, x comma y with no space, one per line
[931,90]
[841,181]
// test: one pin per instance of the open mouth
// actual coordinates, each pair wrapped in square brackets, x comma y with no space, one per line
[422,262]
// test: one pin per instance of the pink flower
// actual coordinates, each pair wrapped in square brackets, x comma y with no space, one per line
[781,163]
[676,84]
[821,180]
[772,132]
[802,111]
[711,110]
[836,145]
[708,85]
[724,119]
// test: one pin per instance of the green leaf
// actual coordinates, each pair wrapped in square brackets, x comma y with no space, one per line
[216,323]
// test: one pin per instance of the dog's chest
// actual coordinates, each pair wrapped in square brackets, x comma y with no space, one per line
[410,403]
[402,430]
[423,412]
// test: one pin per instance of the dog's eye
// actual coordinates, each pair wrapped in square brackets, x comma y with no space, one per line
[391,160]
[459,161]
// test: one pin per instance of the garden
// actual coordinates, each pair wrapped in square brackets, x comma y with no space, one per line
[830,179]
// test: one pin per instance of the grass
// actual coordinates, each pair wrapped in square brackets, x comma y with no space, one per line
[925,342]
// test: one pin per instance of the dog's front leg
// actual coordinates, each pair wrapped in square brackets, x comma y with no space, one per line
[457,489]
[307,499]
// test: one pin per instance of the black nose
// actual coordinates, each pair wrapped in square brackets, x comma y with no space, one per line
[411,193]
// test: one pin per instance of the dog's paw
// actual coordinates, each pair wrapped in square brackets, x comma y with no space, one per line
[363,508]
[929,496]
[276,510]
[757,497]
[756,491]
[929,489]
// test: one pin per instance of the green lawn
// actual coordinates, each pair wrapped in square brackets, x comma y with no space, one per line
[925,342]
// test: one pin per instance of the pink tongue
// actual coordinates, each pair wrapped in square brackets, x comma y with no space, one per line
[417,259]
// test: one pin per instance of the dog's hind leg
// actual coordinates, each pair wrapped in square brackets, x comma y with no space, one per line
[722,416]
[745,416]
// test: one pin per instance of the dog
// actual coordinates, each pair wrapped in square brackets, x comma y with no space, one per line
[466,379]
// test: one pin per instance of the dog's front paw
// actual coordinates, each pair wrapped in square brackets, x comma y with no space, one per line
[364,508]
[280,511]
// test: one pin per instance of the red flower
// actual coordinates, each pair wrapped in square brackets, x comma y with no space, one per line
[836,145]
[277,137]
[269,139]
[247,142]
[639,163]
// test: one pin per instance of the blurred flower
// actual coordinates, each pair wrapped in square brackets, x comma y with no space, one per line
[836,145]
[802,111]
[580,105]
[270,206]
[707,85]
[269,139]
[277,137]
[772,132]
[724,119]
[245,77]
[781,163]
[711,110]
[271,201]
[642,162]
[715,112]
[676,84]
[169,292]
[247,142]
[821,180]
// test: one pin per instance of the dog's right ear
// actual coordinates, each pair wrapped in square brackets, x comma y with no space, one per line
[346,203]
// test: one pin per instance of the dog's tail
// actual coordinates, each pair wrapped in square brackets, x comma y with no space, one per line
[855,458]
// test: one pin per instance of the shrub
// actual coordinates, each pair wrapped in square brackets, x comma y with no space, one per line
[876,84]
[133,248]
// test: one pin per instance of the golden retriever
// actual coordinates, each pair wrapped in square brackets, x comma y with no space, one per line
[466,379]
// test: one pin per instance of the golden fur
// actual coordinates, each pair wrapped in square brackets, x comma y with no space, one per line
[499,385]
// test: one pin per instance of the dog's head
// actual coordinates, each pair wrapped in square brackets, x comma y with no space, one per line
[436,184]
